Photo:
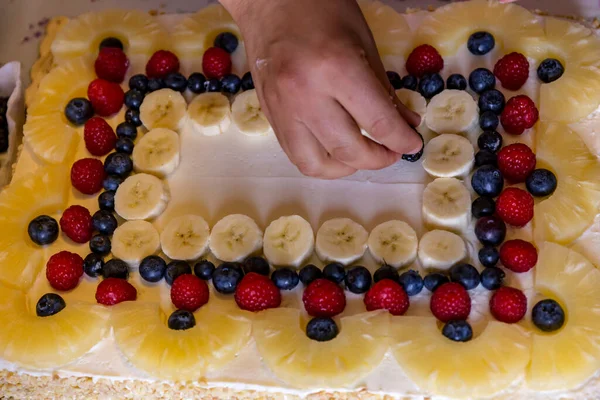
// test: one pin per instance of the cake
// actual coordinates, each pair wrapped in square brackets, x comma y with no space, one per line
[159,244]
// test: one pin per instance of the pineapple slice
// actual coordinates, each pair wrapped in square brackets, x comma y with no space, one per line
[565,359]
[47,342]
[142,334]
[390,30]
[449,27]
[479,368]
[197,32]
[51,137]
[140,33]
[305,363]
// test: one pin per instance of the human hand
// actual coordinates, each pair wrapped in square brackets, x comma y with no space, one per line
[319,77]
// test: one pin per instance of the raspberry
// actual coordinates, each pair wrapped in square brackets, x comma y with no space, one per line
[161,64]
[189,292]
[508,305]
[516,162]
[106,97]
[87,175]
[518,255]
[64,269]
[519,114]
[450,301]
[424,59]
[216,63]
[111,64]
[512,71]
[257,292]
[76,223]
[515,207]
[387,295]
[323,298]
[112,291]
[99,137]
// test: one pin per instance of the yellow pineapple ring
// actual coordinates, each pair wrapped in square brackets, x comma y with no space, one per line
[306,363]
[478,368]
[47,342]
[390,30]
[139,32]
[565,359]
[142,334]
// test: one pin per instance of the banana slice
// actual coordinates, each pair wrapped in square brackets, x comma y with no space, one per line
[446,204]
[440,249]
[235,237]
[452,111]
[247,114]
[164,108]
[393,243]
[448,156]
[341,240]
[141,196]
[157,152]
[288,241]
[210,114]
[134,240]
[185,237]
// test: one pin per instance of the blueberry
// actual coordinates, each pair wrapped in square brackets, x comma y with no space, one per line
[127,130]
[358,280]
[133,117]
[152,268]
[415,156]
[155,84]
[226,41]
[541,183]
[386,272]
[434,281]
[231,83]
[488,256]
[334,272]
[410,82]
[92,265]
[394,79]
[43,230]
[309,273]
[482,79]
[247,81]
[481,43]
[492,278]
[100,244]
[139,82]
[492,100]
[456,82]
[490,141]
[458,331]
[79,110]
[483,207]
[488,121]
[226,277]
[487,181]
[485,157]
[104,222]
[285,278]
[430,85]
[411,281]
[548,315]
[112,182]
[175,269]
[321,329]
[212,85]
[196,83]
[133,99]
[181,320]
[550,70]
[490,231]
[111,42]
[204,269]
[124,145]
[465,274]
[106,200]
[118,164]
[49,304]
[258,265]
[115,268]
[176,81]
